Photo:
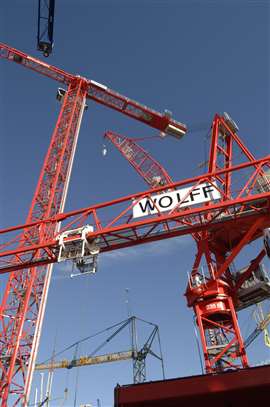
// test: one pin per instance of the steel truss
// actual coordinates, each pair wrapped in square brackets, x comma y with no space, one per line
[115,227]
[148,168]
[24,300]
[226,226]
[23,306]
[213,291]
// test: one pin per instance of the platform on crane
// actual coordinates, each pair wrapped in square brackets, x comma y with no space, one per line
[241,387]
[254,289]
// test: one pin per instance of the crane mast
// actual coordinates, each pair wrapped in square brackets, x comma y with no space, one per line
[25,297]
[214,290]
[23,305]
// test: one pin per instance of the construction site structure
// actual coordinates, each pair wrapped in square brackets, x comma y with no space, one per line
[228,207]
[23,304]
[86,361]
[254,289]
[230,217]
[137,354]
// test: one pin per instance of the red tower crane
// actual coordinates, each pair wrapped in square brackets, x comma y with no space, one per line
[24,300]
[228,211]
[216,320]
[229,207]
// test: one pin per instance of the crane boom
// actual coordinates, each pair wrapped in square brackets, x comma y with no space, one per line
[122,230]
[85,361]
[99,93]
[147,167]
[262,325]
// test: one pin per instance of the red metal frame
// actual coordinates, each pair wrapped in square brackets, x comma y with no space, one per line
[115,227]
[217,355]
[225,227]
[245,387]
[23,305]
[148,168]
[26,290]
[95,91]
[213,292]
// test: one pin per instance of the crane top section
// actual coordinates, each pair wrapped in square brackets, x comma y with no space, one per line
[100,93]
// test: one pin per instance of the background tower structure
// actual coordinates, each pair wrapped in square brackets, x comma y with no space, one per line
[23,305]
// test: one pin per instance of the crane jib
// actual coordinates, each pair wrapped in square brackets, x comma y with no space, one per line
[100,93]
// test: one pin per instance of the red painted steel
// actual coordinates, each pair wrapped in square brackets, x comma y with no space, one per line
[212,290]
[228,221]
[225,227]
[26,291]
[97,92]
[246,387]
[114,226]
[146,166]
[23,305]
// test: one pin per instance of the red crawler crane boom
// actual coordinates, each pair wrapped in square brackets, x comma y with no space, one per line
[23,305]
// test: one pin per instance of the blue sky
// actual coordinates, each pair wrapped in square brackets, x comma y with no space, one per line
[194,58]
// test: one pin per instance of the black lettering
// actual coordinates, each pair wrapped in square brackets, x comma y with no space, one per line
[207,189]
[165,197]
[179,199]
[148,205]
[192,193]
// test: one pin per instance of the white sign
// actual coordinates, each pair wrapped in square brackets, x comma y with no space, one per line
[179,198]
